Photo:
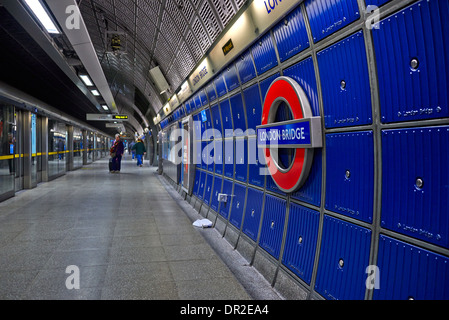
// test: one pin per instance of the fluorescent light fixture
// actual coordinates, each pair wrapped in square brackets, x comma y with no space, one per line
[44,18]
[105,107]
[86,80]
[95,93]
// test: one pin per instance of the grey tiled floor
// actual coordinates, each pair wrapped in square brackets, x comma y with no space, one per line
[128,237]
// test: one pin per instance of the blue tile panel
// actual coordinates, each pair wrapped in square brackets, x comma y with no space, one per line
[265,84]
[376,3]
[304,73]
[216,121]
[255,164]
[187,107]
[231,79]
[197,182]
[264,54]
[345,83]
[205,154]
[272,227]
[291,35]
[415,180]
[410,272]
[241,159]
[253,104]
[245,67]
[226,118]
[220,85]
[218,156]
[228,157]
[214,204]
[328,16]
[226,206]
[238,114]
[310,192]
[208,188]
[414,72]
[238,204]
[301,241]
[253,212]
[350,174]
[202,185]
[210,91]
[203,97]
[344,256]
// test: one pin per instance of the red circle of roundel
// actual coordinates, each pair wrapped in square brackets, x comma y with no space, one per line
[282,89]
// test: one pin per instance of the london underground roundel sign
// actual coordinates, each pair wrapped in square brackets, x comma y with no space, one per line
[301,134]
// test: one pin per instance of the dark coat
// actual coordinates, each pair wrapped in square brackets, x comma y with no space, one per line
[139,147]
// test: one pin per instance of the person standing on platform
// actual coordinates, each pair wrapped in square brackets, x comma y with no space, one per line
[140,151]
[117,151]
[130,149]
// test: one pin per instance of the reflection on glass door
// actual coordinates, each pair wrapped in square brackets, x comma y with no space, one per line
[57,137]
[7,140]
[33,149]
[77,148]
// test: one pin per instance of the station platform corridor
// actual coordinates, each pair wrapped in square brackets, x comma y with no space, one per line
[129,234]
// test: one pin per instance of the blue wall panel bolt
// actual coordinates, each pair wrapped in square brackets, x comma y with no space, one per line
[344,256]
[291,35]
[301,241]
[415,176]
[407,271]
[253,213]
[412,74]
[350,174]
[273,225]
[328,16]
[351,105]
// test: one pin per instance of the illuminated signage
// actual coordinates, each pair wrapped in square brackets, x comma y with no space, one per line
[119,117]
[228,47]
[200,75]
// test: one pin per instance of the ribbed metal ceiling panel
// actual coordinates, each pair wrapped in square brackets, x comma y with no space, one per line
[171,34]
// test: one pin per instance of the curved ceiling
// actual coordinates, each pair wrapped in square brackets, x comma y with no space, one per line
[171,34]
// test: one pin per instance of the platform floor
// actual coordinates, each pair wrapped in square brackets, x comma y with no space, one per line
[129,237]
